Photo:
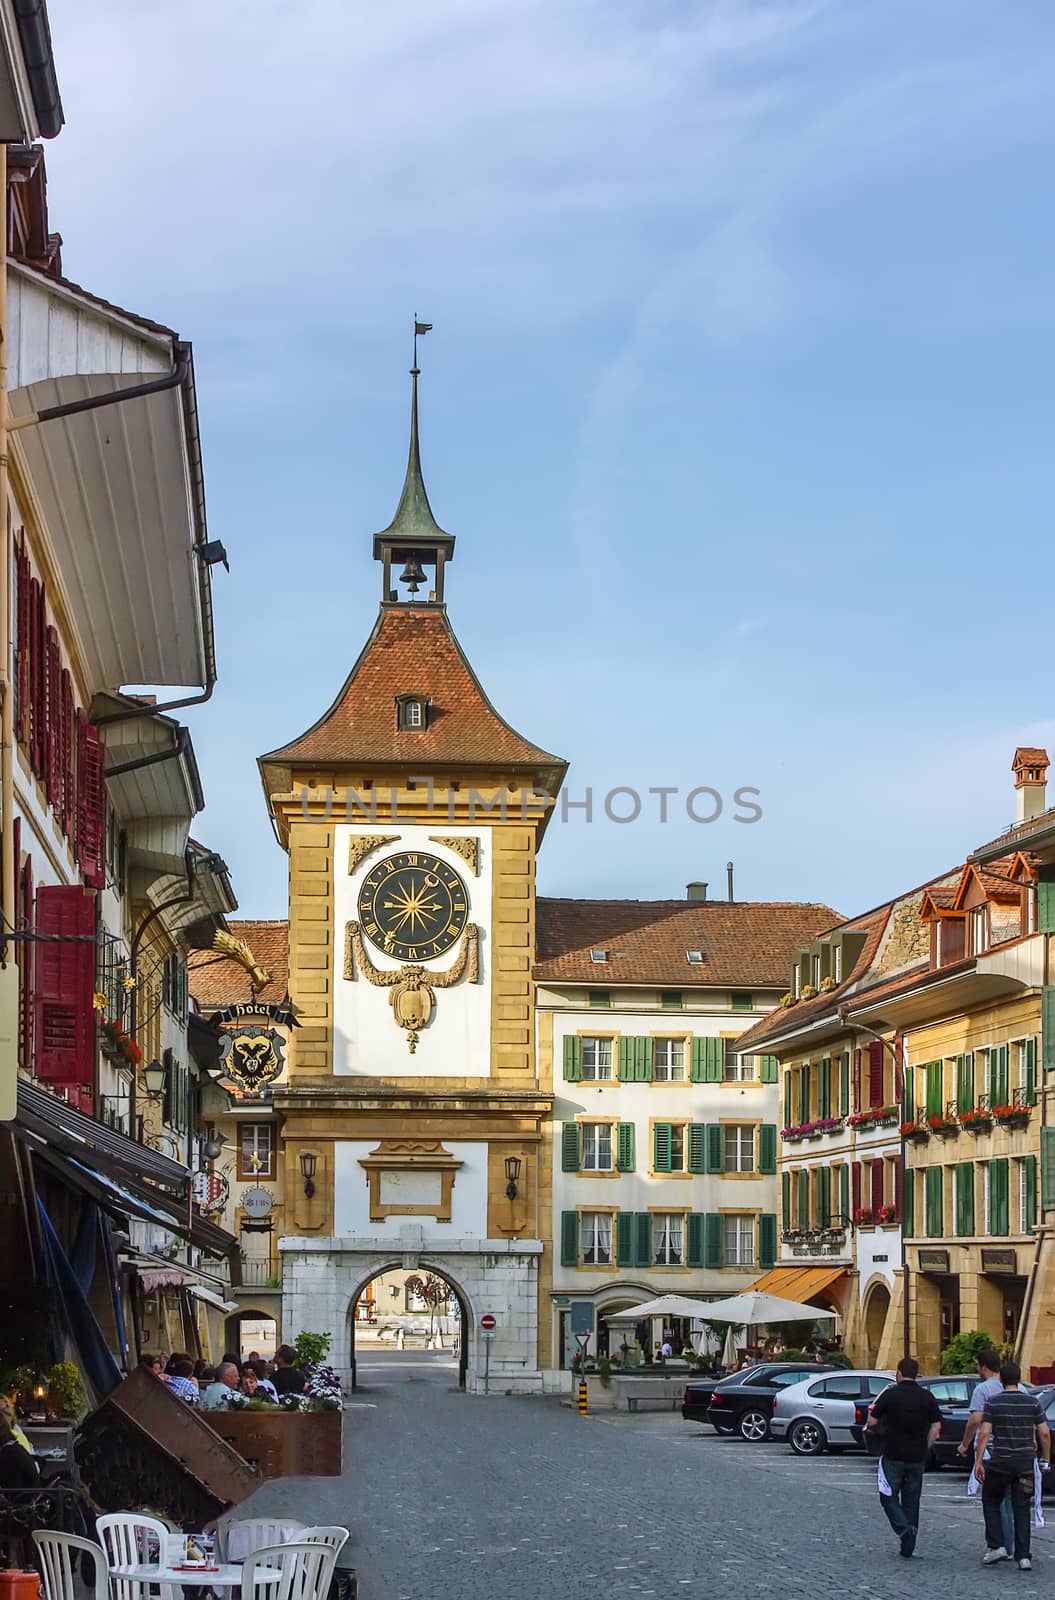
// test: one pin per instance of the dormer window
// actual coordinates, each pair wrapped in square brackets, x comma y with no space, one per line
[599,957]
[412,713]
[979,930]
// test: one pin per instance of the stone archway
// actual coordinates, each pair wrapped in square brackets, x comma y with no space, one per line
[424,1266]
[323,1278]
[877,1309]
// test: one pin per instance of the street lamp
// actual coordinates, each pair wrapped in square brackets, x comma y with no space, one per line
[155,1076]
[512,1174]
[308,1159]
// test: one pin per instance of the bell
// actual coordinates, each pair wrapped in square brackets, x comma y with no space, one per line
[412,574]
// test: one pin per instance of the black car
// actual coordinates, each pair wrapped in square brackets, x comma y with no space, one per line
[743,1402]
[953,1395]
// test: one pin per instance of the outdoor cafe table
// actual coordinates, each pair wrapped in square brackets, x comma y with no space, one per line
[228,1575]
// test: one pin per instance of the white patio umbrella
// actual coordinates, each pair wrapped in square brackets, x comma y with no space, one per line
[667,1305]
[754,1308]
[729,1348]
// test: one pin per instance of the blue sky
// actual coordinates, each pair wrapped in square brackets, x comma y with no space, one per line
[738,399]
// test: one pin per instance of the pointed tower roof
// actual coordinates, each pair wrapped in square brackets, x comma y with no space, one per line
[413,526]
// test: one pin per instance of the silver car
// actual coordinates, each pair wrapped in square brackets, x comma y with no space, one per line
[819,1413]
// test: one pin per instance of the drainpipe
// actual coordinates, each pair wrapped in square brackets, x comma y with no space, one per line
[7,716]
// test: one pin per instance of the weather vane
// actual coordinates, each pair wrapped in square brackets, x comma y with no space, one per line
[419,329]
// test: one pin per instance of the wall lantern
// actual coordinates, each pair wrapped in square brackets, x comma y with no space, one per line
[308,1160]
[155,1076]
[212,1147]
[512,1174]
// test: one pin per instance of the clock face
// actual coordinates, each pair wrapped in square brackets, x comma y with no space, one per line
[413,906]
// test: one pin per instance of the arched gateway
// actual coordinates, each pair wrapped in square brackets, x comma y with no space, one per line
[413,1119]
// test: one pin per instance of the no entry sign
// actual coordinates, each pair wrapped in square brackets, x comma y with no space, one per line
[487,1323]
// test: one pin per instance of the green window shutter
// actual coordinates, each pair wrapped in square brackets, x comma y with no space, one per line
[642,1239]
[934,1095]
[642,1060]
[696,1060]
[1047,1169]
[804,1093]
[1029,1193]
[661,1147]
[999,1221]
[821,1196]
[787,1111]
[599,999]
[1046,905]
[844,1084]
[932,1195]
[715,1148]
[1047,1027]
[713,1252]
[624,1239]
[908,1204]
[713,1060]
[671,1000]
[767,1069]
[1031,1072]
[569,1147]
[697,1147]
[742,1002]
[965,1081]
[767,1147]
[824,1092]
[844,1189]
[572,1059]
[626,1060]
[694,1239]
[785,1199]
[569,1239]
[767,1239]
[1001,1077]
[803,1185]
[965,1199]
[624,1147]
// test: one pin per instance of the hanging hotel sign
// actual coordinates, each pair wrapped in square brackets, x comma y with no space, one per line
[283,1015]
[252,1057]
[257,1203]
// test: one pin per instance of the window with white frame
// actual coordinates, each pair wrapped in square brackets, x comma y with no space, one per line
[596,1146]
[837,962]
[740,1149]
[668,1060]
[668,1233]
[596,1238]
[739,1241]
[979,930]
[815,971]
[738,1069]
[596,1059]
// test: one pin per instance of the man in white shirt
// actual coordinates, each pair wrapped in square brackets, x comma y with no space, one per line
[987,1386]
[217,1394]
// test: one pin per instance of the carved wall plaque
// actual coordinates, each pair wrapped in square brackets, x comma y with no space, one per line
[360,845]
[468,849]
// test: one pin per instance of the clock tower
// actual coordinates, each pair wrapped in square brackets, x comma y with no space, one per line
[414,1117]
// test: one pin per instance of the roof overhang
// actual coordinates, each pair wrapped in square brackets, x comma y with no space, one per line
[30,107]
[120,487]
[1039,841]
[153,784]
[194,902]
[982,981]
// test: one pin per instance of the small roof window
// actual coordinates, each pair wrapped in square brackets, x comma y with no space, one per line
[694,957]
[412,712]
[599,957]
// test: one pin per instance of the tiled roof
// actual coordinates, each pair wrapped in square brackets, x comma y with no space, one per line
[1030,755]
[1019,833]
[412,650]
[803,1011]
[216,981]
[743,944]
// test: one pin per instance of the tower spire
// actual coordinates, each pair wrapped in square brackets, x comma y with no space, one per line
[414,534]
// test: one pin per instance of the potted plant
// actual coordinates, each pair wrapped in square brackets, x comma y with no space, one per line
[793,1133]
[67,1398]
[944,1126]
[863,1217]
[976,1120]
[886,1215]
[886,1116]
[918,1132]
[1012,1116]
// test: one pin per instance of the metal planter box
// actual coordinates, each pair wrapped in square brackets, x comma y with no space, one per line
[284,1444]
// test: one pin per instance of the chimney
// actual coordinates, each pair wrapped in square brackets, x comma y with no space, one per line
[729,879]
[1030,767]
[696,891]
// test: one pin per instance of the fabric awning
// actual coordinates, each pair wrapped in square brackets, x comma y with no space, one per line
[213,1299]
[70,1131]
[798,1283]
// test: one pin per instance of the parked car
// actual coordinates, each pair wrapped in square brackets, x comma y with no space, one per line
[743,1402]
[953,1395]
[820,1413]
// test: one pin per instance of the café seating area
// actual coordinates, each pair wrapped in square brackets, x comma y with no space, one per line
[138,1558]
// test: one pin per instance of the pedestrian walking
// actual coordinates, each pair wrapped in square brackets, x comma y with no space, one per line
[908,1421]
[988,1384]
[1015,1429]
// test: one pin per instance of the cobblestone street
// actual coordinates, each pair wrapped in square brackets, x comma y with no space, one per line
[451,1497]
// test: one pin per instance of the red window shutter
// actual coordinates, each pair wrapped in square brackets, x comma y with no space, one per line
[855,1186]
[65,975]
[875,1074]
[22,648]
[68,785]
[36,677]
[877,1185]
[858,1104]
[53,726]
[25,955]
[91,803]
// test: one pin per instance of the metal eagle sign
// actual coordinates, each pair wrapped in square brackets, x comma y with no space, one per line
[252,1057]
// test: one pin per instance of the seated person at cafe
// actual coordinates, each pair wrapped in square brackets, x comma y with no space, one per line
[263,1382]
[252,1388]
[288,1379]
[18,1470]
[180,1380]
[216,1395]
[153,1364]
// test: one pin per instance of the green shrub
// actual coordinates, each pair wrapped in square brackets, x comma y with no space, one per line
[961,1354]
[312,1348]
[604,1371]
[66,1394]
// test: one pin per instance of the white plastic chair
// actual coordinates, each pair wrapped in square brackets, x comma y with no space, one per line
[127,1540]
[255,1533]
[305,1572]
[61,1566]
[335,1538]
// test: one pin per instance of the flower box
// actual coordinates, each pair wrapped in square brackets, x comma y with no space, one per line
[863,1217]
[944,1127]
[976,1121]
[1012,1116]
[284,1444]
[917,1132]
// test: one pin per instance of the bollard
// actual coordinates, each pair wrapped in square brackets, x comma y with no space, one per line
[583,1412]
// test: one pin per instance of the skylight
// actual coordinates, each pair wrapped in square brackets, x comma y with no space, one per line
[694,957]
[599,956]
